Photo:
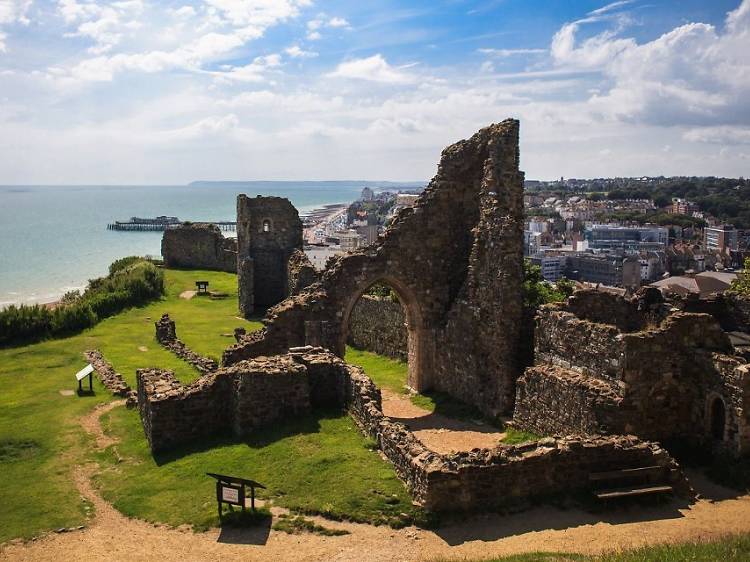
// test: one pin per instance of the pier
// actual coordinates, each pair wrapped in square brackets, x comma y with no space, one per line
[137,224]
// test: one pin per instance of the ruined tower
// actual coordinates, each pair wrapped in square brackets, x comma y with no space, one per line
[269,230]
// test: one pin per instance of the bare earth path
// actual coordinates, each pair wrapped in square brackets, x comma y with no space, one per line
[111,536]
[439,433]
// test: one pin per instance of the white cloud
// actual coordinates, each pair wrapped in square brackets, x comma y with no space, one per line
[338,22]
[297,53]
[253,72]
[11,12]
[724,135]
[504,53]
[374,68]
[610,7]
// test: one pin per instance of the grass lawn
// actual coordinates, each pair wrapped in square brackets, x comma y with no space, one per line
[40,439]
[317,464]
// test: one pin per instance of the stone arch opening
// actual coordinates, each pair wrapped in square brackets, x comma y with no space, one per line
[266,226]
[416,357]
[718,418]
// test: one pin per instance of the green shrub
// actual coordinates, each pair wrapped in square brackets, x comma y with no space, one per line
[131,282]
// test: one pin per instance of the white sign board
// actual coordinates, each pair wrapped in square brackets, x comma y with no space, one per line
[88,369]
[230,495]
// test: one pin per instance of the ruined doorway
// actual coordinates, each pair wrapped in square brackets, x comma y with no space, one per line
[384,318]
[718,419]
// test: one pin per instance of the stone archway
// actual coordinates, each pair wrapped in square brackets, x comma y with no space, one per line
[456,260]
[418,373]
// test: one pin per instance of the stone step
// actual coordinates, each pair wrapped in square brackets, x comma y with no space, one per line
[640,472]
[628,492]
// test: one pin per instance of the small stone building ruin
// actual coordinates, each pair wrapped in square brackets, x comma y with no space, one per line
[198,246]
[606,364]
[256,393]
[455,261]
[269,232]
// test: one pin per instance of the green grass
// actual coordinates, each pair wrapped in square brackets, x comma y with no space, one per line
[318,464]
[391,374]
[297,524]
[728,549]
[40,437]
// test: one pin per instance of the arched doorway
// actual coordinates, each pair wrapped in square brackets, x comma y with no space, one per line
[415,336]
[718,418]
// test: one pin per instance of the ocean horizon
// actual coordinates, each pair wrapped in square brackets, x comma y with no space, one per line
[54,238]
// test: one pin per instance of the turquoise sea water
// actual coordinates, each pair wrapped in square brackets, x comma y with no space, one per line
[54,238]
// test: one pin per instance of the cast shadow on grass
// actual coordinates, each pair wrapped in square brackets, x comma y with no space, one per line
[257,439]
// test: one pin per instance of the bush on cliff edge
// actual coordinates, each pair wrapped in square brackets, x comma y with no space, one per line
[131,282]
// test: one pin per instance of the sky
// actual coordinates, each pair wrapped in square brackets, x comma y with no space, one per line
[167,92]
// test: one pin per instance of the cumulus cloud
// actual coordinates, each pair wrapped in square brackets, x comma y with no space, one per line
[374,68]
[504,53]
[693,75]
[314,26]
[296,52]
[12,11]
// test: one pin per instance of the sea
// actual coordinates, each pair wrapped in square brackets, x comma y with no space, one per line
[53,239]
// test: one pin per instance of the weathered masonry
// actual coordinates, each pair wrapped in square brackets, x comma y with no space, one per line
[454,259]
[269,231]
[610,365]
[256,393]
[199,246]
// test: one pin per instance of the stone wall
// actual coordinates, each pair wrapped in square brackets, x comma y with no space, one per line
[655,382]
[455,261]
[166,335]
[254,394]
[555,401]
[111,379]
[378,324]
[199,246]
[300,272]
[269,231]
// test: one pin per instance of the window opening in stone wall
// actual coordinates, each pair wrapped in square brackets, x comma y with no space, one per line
[266,225]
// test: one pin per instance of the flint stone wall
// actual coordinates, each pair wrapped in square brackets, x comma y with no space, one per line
[379,325]
[166,335]
[111,379]
[256,393]
[300,272]
[656,382]
[199,246]
[269,231]
[454,259]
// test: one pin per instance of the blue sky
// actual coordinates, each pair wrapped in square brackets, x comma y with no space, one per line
[139,91]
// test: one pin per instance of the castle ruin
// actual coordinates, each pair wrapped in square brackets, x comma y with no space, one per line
[455,261]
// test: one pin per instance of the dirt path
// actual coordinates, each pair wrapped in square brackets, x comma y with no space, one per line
[112,536]
[439,433]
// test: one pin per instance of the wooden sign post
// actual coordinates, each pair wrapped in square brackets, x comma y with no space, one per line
[87,371]
[232,490]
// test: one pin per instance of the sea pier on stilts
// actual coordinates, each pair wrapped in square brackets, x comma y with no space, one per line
[162,223]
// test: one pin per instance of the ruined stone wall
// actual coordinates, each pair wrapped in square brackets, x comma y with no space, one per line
[256,393]
[111,379]
[300,272]
[269,231]
[555,401]
[173,414]
[379,325]
[494,478]
[199,246]
[166,335]
[592,377]
[455,261]
[267,391]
